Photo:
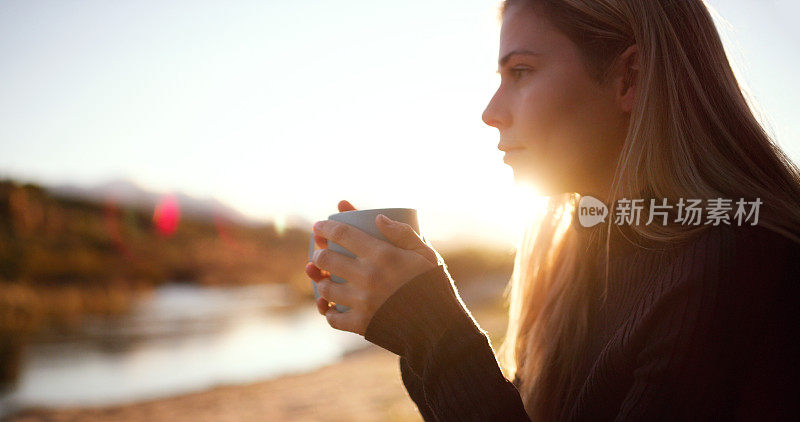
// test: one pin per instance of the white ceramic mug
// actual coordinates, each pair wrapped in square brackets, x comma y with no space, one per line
[364,220]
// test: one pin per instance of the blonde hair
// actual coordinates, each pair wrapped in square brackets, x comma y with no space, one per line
[692,134]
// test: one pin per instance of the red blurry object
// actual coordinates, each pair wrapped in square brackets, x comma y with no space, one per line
[167,215]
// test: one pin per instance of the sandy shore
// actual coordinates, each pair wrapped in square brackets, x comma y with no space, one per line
[363,386]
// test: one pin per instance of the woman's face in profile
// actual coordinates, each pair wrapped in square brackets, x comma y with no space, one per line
[560,129]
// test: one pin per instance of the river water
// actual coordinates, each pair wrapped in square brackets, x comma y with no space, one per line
[181,338]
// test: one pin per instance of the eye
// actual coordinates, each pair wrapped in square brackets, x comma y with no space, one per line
[518,72]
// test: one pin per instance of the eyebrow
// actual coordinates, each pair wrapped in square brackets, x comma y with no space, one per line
[502,62]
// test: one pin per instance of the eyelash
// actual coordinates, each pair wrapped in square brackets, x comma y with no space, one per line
[516,73]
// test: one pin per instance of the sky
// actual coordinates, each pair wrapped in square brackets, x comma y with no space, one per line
[282,108]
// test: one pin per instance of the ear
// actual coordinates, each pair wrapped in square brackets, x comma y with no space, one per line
[626,76]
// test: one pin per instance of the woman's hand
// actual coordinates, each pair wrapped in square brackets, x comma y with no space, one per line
[378,270]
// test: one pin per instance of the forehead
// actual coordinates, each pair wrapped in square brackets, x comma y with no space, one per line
[527,29]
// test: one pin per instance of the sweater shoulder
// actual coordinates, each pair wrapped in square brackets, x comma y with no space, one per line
[754,246]
[723,278]
[720,260]
[731,260]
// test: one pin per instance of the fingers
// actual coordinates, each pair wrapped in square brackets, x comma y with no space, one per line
[336,263]
[345,205]
[323,305]
[403,236]
[339,293]
[313,272]
[345,321]
[351,238]
[321,242]
[317,274]
[400,234]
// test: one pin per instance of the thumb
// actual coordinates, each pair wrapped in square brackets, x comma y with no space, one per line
[400,234]
[404,237]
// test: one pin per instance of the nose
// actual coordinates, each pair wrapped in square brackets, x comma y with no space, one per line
[496,114]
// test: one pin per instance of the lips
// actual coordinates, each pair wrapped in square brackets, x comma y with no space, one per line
[508,148]
[511,153]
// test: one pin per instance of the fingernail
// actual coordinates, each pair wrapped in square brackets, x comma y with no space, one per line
[384,218]
[316,255]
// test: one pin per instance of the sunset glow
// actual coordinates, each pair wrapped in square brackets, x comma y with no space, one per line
[378,105]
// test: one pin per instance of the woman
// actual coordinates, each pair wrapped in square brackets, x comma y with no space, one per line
[617,99]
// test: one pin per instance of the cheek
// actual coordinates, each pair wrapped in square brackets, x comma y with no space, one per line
[553,114]
[561,120]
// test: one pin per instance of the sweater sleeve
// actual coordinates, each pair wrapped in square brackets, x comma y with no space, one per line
[413,384]
[719,343]
[447,363]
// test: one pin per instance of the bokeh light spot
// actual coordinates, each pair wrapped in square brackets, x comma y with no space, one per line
[167,216]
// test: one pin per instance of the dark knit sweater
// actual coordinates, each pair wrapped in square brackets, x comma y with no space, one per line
[704,331]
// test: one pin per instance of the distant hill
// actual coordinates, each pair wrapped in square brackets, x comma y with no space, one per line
[71,236]
[127,193]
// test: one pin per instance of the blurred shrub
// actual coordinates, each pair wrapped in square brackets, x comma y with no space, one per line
[66,257]
[471,264]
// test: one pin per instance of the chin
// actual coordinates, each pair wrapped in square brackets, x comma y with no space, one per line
[544,186]
[529,177]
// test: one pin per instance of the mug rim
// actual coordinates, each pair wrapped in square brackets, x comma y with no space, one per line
[373,210]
